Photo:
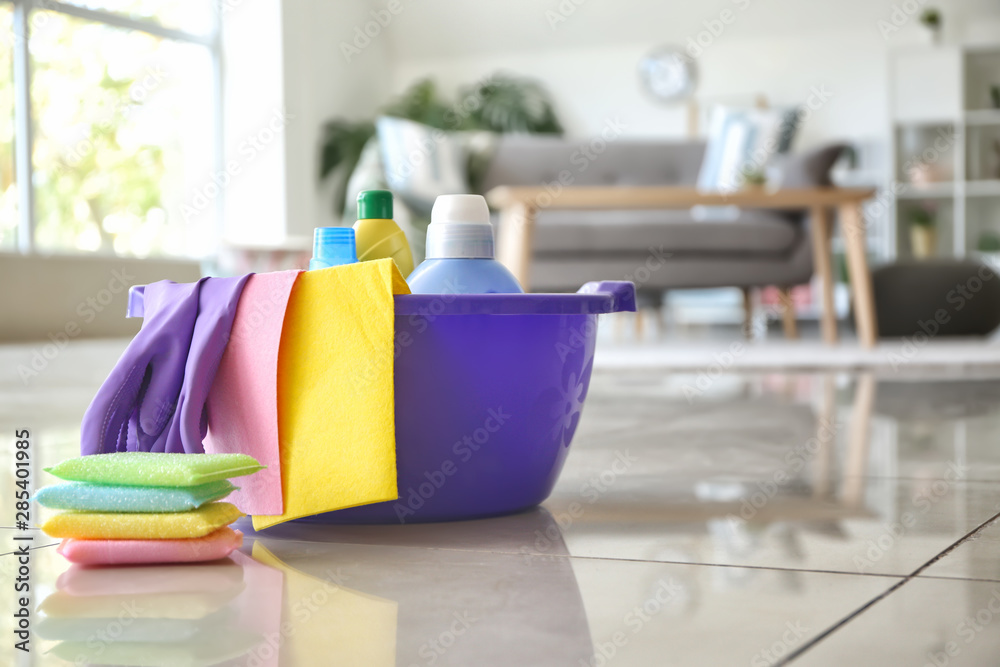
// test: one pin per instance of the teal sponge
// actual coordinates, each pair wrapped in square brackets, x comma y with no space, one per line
[119,498]
[155,469]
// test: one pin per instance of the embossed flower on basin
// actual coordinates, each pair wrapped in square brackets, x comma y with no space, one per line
[567,408]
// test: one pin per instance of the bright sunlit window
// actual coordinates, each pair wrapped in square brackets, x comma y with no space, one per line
[109,109]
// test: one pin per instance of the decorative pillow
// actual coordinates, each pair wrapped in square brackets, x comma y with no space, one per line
[809,169]
[369,174]
[421,162]
[741,141]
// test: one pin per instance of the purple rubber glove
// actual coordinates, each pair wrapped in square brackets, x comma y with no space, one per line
[216,312]
[144,385]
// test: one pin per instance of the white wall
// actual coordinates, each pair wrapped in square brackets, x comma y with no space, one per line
[594,84]
[321,83]
[289,55]
[586,52]
[285,76]
[252,91]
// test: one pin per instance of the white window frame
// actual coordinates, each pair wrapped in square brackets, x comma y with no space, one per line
[23,122]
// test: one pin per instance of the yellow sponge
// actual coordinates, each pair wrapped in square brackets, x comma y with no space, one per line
[167,525]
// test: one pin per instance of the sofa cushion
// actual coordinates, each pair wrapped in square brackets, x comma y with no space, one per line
[575,232]
[535,160]
[420,162]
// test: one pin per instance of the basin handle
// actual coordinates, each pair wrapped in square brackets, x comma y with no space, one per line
[622,293]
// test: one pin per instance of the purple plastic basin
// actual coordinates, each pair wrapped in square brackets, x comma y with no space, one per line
[489,391]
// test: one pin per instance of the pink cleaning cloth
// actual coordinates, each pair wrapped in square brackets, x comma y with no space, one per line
[213,546]
[243,401]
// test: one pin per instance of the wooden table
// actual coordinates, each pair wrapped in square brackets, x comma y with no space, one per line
[518,206]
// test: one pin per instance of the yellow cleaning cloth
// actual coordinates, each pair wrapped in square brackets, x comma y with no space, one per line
[336,415]
[163,526]
[347,627]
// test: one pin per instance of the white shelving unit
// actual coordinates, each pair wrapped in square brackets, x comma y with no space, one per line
[945,144]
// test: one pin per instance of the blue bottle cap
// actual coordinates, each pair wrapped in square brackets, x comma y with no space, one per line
[333,246]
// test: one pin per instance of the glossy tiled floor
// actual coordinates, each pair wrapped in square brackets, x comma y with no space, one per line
[813,519]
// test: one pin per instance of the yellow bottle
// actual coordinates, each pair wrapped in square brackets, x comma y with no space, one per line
[377,234]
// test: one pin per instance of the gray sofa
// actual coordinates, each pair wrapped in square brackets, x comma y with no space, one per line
[758,248]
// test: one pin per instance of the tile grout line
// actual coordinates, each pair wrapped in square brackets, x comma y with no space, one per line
[941,577]
[953,547]
[694,564]
[871,603]
[904,478]
[617,559]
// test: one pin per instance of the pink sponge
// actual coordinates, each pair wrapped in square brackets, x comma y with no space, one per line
[218,544]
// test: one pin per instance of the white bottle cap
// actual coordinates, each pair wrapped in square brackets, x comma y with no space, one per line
[460,228]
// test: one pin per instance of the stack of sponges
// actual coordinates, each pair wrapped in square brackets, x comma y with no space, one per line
[144,507]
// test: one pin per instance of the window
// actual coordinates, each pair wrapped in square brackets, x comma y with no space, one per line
[8,177]
[109,109]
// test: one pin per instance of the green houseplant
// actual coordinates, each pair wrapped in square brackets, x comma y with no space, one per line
[988,242]
[988,247]
[754,178]
[501,103]
[923,233]
[931,19]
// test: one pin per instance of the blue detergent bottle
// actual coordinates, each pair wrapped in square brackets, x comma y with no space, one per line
[460,256]
[333,246]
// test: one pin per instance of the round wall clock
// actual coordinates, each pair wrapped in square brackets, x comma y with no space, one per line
[668,74]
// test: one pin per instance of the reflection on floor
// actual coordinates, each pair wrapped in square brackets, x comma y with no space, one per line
[813,519]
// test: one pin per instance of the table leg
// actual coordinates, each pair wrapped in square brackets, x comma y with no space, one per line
[823,263]
[788,313]
[822,486]
[858,440]
[852,227]
[748,331]
[517,226]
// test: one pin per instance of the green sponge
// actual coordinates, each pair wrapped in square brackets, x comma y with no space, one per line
[155,469]
[89,497]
